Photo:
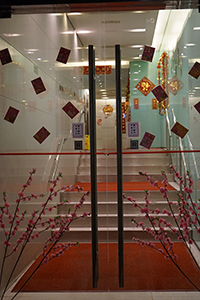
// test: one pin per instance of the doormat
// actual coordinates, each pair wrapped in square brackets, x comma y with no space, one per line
[144,270]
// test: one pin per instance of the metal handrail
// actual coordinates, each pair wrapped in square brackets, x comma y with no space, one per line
[168,122]
[180,145]
[193,156]
[56,159]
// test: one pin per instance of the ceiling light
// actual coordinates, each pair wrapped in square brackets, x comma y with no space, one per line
[139,12]
[31,50]
[39,58]
[68,32]
[83,31]
[197,87]
[136,46]
[189,45]
[12,34]
[196,28]
[74,14]
[137,30]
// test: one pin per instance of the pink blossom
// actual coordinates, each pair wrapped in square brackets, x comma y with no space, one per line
[161,250]
[85,214]
[50,208]
[2,225]
[142,243]
[21,194]
[64,188]
[135,205]
[155,183]
[157,210]
[15,249]
[51,189]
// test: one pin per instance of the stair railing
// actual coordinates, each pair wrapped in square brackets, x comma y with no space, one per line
[168,133]
[57,158]
[180,162]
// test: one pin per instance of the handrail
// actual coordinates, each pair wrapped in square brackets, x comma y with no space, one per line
[57,158]
[168,122]
[194,160]
[174,117]
[180,145]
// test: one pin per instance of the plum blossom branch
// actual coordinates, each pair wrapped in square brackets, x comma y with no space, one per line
[35,225]
[185,219]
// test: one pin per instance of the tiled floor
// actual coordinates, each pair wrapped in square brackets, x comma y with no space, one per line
[108,296]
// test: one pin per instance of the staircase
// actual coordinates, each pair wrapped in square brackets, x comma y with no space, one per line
[80,230]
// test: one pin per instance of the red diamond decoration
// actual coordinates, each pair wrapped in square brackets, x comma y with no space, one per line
[145,86]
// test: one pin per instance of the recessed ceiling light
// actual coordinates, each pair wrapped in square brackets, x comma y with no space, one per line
[68,32]
[196,28]
[138,30]
[136,46]
[12,34]
[39,58]
[191,44]
[139,12]
[74,14]
[83,31]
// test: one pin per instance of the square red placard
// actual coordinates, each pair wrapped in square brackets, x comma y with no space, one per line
[41,135]
[70,110]
[5,56]
[159,93]
[11,114]
[147,140]
[63,55]
[179,130]
[38,85]
[148,53]
[195,70]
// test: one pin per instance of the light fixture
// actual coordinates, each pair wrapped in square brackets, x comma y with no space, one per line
[12,34]
[190,45]
[137,46]
[74,14]
[67,32]
[137,30]
[196,28]
[83,31]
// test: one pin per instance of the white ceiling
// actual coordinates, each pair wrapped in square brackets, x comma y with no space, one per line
[46,33]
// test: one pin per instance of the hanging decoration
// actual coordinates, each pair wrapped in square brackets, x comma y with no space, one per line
[108,109]
[175,85]
[99,121]
[127,102]
[162,66]
[145,86]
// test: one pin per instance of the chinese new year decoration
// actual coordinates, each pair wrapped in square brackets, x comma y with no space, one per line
[127,102]
[145,86]
[99,70]
[175,85]
[163,65]
[108,109]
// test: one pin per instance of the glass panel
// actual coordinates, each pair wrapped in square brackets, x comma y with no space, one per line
[33,42]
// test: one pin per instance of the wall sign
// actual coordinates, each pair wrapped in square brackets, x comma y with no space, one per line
[133,129]
[77,130]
